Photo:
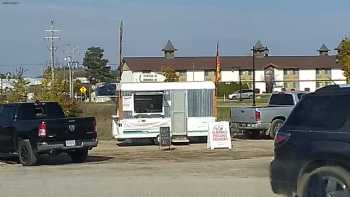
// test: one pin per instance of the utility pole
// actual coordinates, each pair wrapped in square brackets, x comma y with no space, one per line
[254,50]
[52,35]
[119,102]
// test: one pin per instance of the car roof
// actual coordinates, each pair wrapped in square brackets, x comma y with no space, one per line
[290,92]
[333,89]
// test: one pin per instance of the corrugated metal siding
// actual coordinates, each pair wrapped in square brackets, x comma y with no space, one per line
[200,103]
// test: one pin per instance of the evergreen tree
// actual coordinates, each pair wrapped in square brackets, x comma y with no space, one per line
[96,65]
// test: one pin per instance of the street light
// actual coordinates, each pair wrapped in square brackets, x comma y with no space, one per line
[69,62]
[257,48]
[240,81]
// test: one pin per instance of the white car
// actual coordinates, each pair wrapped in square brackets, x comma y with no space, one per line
[246,94]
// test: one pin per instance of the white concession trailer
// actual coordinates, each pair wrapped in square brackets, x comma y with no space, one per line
[186,107]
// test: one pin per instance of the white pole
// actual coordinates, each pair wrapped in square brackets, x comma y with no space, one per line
[70,80]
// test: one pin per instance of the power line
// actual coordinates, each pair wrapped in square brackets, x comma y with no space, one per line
[51,39]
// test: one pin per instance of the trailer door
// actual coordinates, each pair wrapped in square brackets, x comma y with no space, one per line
[178,115]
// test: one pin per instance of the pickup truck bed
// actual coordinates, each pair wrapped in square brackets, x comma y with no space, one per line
[254,121]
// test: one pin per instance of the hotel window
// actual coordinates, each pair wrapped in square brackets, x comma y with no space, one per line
[291,79]
[182,75]
[291,85]
[246,75]
[320,84]
[323,74]
[323,77]
[291,74]
[209,75]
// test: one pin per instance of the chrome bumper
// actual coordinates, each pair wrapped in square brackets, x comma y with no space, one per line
[44,146]
[237,127]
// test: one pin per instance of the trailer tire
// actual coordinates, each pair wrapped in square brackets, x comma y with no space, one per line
[275,126]
[156,140]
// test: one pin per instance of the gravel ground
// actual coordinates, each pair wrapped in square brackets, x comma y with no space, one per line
[144,170]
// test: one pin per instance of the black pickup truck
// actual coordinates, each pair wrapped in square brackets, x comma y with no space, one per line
[31,129]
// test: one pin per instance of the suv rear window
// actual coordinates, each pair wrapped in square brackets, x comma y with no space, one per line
[281,99]
[320,113]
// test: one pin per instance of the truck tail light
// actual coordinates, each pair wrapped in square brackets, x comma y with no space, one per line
[42,131]
[257,116]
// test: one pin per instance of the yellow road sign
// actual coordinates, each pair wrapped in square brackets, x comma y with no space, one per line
[83,90]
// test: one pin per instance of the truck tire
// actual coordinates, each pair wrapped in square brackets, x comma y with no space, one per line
[27,156]
[325,181]
[275,126]
[79,156]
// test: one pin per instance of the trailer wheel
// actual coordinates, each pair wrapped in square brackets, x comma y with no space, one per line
[275,126]
[156,140]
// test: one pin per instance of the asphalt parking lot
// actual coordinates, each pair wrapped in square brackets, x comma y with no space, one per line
[144,170]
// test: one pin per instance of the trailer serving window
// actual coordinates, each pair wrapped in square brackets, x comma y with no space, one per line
[148,103]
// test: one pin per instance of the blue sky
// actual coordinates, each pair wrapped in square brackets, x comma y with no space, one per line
[297,27]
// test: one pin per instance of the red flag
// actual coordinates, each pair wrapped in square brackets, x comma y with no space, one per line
[218,65]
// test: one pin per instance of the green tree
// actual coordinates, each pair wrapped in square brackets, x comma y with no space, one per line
[344,57]
[96,65]
[170,74]
[20,88]
[58,91]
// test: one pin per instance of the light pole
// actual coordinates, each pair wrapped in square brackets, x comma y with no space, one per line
[258,47]
[254,50]
[239,82]
[69,63]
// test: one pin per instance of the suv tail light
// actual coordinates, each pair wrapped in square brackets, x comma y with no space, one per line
[42,131]
[281,137]
[257,116]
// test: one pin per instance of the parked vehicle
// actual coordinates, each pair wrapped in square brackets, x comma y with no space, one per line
[243,94]
[186,107]
[254,121]
[312,149]
[31,129]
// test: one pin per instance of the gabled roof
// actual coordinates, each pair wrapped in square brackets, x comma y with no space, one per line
[323,48]
[169,47]
[228,63]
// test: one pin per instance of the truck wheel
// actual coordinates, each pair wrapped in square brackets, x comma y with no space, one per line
[27,156]
[325,181]
[275,126]
[79,156]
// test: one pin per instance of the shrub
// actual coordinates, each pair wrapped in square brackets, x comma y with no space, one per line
[228,88]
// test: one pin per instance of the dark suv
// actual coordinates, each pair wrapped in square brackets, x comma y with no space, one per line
[312,148]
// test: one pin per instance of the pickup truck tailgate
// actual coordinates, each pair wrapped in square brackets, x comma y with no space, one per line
[70,129]
[243,114]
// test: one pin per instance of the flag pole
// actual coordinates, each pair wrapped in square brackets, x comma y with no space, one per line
[217,80]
